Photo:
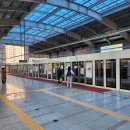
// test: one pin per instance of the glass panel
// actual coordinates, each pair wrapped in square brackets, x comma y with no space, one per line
[111,73]
[49,70]
[30,70]
[125,74]
[89,72]
[54,70]
[62,69]
[76,71]
[99,73]
[81,72]
[36,70]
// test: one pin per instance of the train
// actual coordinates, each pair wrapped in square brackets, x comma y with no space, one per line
[105,70]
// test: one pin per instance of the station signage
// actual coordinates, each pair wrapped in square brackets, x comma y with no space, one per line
[109,48]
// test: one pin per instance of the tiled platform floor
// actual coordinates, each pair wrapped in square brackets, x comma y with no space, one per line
[54,108]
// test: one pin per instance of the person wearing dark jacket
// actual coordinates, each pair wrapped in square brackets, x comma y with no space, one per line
[3,74]
[59,75]
[69,74]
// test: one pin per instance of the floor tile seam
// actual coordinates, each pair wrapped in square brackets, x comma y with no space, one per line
[119,95]
[117,125]
[48,106]
[28,121]
[89,96]
[122,108]
[98,99]
[75,93]
[43,114]
[100,109]
[27,91]
[65,117]
[110,102]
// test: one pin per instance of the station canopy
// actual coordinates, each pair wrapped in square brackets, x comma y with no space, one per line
[50,18]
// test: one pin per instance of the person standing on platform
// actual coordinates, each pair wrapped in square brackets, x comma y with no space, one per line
[59,75]
[69,74]
[3,74]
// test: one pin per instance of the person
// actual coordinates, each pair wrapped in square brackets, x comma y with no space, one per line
[3,74]
[59,75]
[69,74]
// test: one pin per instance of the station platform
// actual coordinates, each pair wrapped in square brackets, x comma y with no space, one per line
[30,104]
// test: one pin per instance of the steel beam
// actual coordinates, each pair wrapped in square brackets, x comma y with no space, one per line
[42,26]
[3,41]
[71,6]
[126,36]
[78,37]
[11,9]
[27,36]
[8,22]
[116,32]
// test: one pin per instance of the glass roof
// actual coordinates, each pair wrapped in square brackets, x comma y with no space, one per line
[101,6]
[59,17]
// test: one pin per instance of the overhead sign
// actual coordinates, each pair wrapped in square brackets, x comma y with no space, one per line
[109,48]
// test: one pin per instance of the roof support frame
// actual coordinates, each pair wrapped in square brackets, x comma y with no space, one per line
[88,39]
[11,9]
[78,37]
[42,26]
[70,5]
[8,22]
[33,37]
[2,41]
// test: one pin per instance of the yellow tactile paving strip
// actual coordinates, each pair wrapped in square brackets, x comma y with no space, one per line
[28,121]
[75,93]
[100,109]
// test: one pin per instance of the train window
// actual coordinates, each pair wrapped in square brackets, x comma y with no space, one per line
[99,73]
[125,74]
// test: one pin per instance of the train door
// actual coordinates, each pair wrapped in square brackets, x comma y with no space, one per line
[111,73]
[36,70]
[89,72]
[22,69]
[45,71]
[30,70]
[81,72]
[99,77]
[33,70]
[54,70]
[49,70]
[61,65]
[125,74]
[41,70]
[75,68]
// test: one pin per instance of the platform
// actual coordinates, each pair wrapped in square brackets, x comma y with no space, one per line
[28,104]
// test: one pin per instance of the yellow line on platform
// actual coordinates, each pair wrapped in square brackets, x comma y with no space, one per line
[100,109]
[27,120]
[75,93]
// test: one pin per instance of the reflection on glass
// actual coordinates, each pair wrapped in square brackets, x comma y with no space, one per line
[125,74]
[54,70]
[89,72]
[99,73]
[49,70]
[81,71]
[111,73]
[76,71]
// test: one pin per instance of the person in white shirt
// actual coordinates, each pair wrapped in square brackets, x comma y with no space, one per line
[69,74]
